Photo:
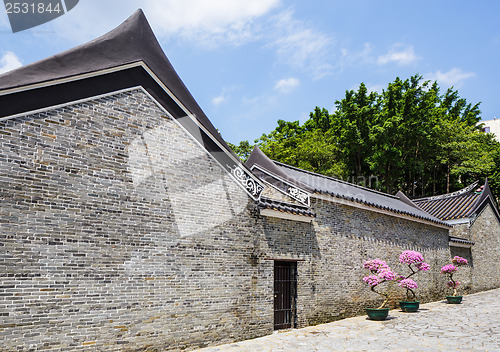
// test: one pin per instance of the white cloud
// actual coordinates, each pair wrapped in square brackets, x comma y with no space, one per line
[224,96]
[219,100]
[208,23]
[300,46]
[351,58]
[287,85]
[454,77]
[8,62]
[402,55]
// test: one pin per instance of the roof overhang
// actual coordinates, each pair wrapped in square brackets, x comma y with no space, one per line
[458,221]
[460,242]
[353,204]
[286,216]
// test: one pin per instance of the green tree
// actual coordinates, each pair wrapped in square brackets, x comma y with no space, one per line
[281,144]
[243,149]
[410,136]
[351,125]
[319,153]
[494,176]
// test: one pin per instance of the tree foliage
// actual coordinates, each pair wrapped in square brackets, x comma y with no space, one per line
[243,150]
[410,137]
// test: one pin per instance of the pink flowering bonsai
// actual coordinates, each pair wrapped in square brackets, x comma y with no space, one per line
[380,273]
[451,269]
[415,262]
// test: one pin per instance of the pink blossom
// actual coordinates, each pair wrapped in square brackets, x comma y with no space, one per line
[375,265]
[372,280]
[423,266]
[453,285]
[387,275]
[448,269]
[380,273]
[408,283]
[411,257]
[459,260]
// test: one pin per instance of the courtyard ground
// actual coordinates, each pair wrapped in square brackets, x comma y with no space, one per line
[473,325]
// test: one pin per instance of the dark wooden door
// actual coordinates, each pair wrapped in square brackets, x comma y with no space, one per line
[285,289]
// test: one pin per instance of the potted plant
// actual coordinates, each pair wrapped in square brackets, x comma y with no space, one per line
[449,270]
[380,273]
[415,262]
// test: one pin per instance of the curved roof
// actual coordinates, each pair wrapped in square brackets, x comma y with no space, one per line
[131,42]
[127,58]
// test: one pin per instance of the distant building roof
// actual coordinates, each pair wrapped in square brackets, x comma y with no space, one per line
[310,182]
[463,204]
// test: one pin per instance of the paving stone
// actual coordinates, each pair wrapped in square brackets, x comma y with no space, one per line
[473,325]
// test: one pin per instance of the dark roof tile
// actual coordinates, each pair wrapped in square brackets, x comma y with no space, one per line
[131,42]
[460,240]
[266,203]
[457,205]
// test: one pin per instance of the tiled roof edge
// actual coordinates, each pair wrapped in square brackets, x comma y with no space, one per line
[353,199]
[267,203]
[460,240]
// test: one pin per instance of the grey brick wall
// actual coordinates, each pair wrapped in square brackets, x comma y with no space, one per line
[332,251]
[482,272]
[461,230]
[120,233]
[485,233]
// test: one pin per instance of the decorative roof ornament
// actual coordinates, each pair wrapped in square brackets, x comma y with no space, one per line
[247,181]
[454,194]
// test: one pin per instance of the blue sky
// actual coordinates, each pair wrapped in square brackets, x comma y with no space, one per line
[250,63]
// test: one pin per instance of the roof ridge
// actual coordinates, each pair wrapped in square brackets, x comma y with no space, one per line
[337,180]
[449,195]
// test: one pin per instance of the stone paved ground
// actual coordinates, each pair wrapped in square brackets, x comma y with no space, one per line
[473,325]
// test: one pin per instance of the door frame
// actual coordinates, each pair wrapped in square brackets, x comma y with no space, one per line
[285,294]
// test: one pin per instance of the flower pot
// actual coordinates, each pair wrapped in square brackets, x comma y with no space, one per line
[454,299]
[409,306]
[377,313]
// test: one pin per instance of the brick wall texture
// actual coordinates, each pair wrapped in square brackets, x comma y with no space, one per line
[482,272]
[120,233]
